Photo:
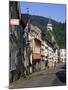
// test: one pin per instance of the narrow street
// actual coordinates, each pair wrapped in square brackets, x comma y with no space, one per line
[50,77]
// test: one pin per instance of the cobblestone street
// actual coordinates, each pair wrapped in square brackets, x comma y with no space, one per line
[50,77]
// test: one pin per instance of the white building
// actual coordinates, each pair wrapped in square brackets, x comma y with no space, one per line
[49,26]
[55,56]
[50,52]
[62,55]
[44,53]
[50,56]
[34,37]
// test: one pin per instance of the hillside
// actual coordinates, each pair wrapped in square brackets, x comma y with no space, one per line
[59,29]
[39,21]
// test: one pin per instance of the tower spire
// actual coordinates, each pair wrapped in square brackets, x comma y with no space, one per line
[49,22]
[49,25]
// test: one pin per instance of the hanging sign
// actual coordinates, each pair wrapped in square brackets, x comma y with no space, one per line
[14,21]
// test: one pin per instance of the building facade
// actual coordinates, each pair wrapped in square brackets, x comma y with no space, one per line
[44,54]
[62,55]
[35,44]
[16,42]
[13,24]
[50,56]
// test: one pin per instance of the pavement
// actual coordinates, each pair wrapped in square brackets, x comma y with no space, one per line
[45,78]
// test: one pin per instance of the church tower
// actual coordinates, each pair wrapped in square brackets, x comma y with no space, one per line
[49,25]
[50,28]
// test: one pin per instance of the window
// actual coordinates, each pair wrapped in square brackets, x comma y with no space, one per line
[33,33]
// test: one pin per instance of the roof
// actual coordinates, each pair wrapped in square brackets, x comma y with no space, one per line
[35,28]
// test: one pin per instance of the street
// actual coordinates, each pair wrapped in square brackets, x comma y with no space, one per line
[49,77]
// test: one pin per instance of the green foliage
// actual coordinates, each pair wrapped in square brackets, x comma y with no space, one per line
[47,35]
[59,32]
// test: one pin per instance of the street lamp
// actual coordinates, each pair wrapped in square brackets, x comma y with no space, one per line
[27,41]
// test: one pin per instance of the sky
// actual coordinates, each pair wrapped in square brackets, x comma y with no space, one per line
[54,11]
